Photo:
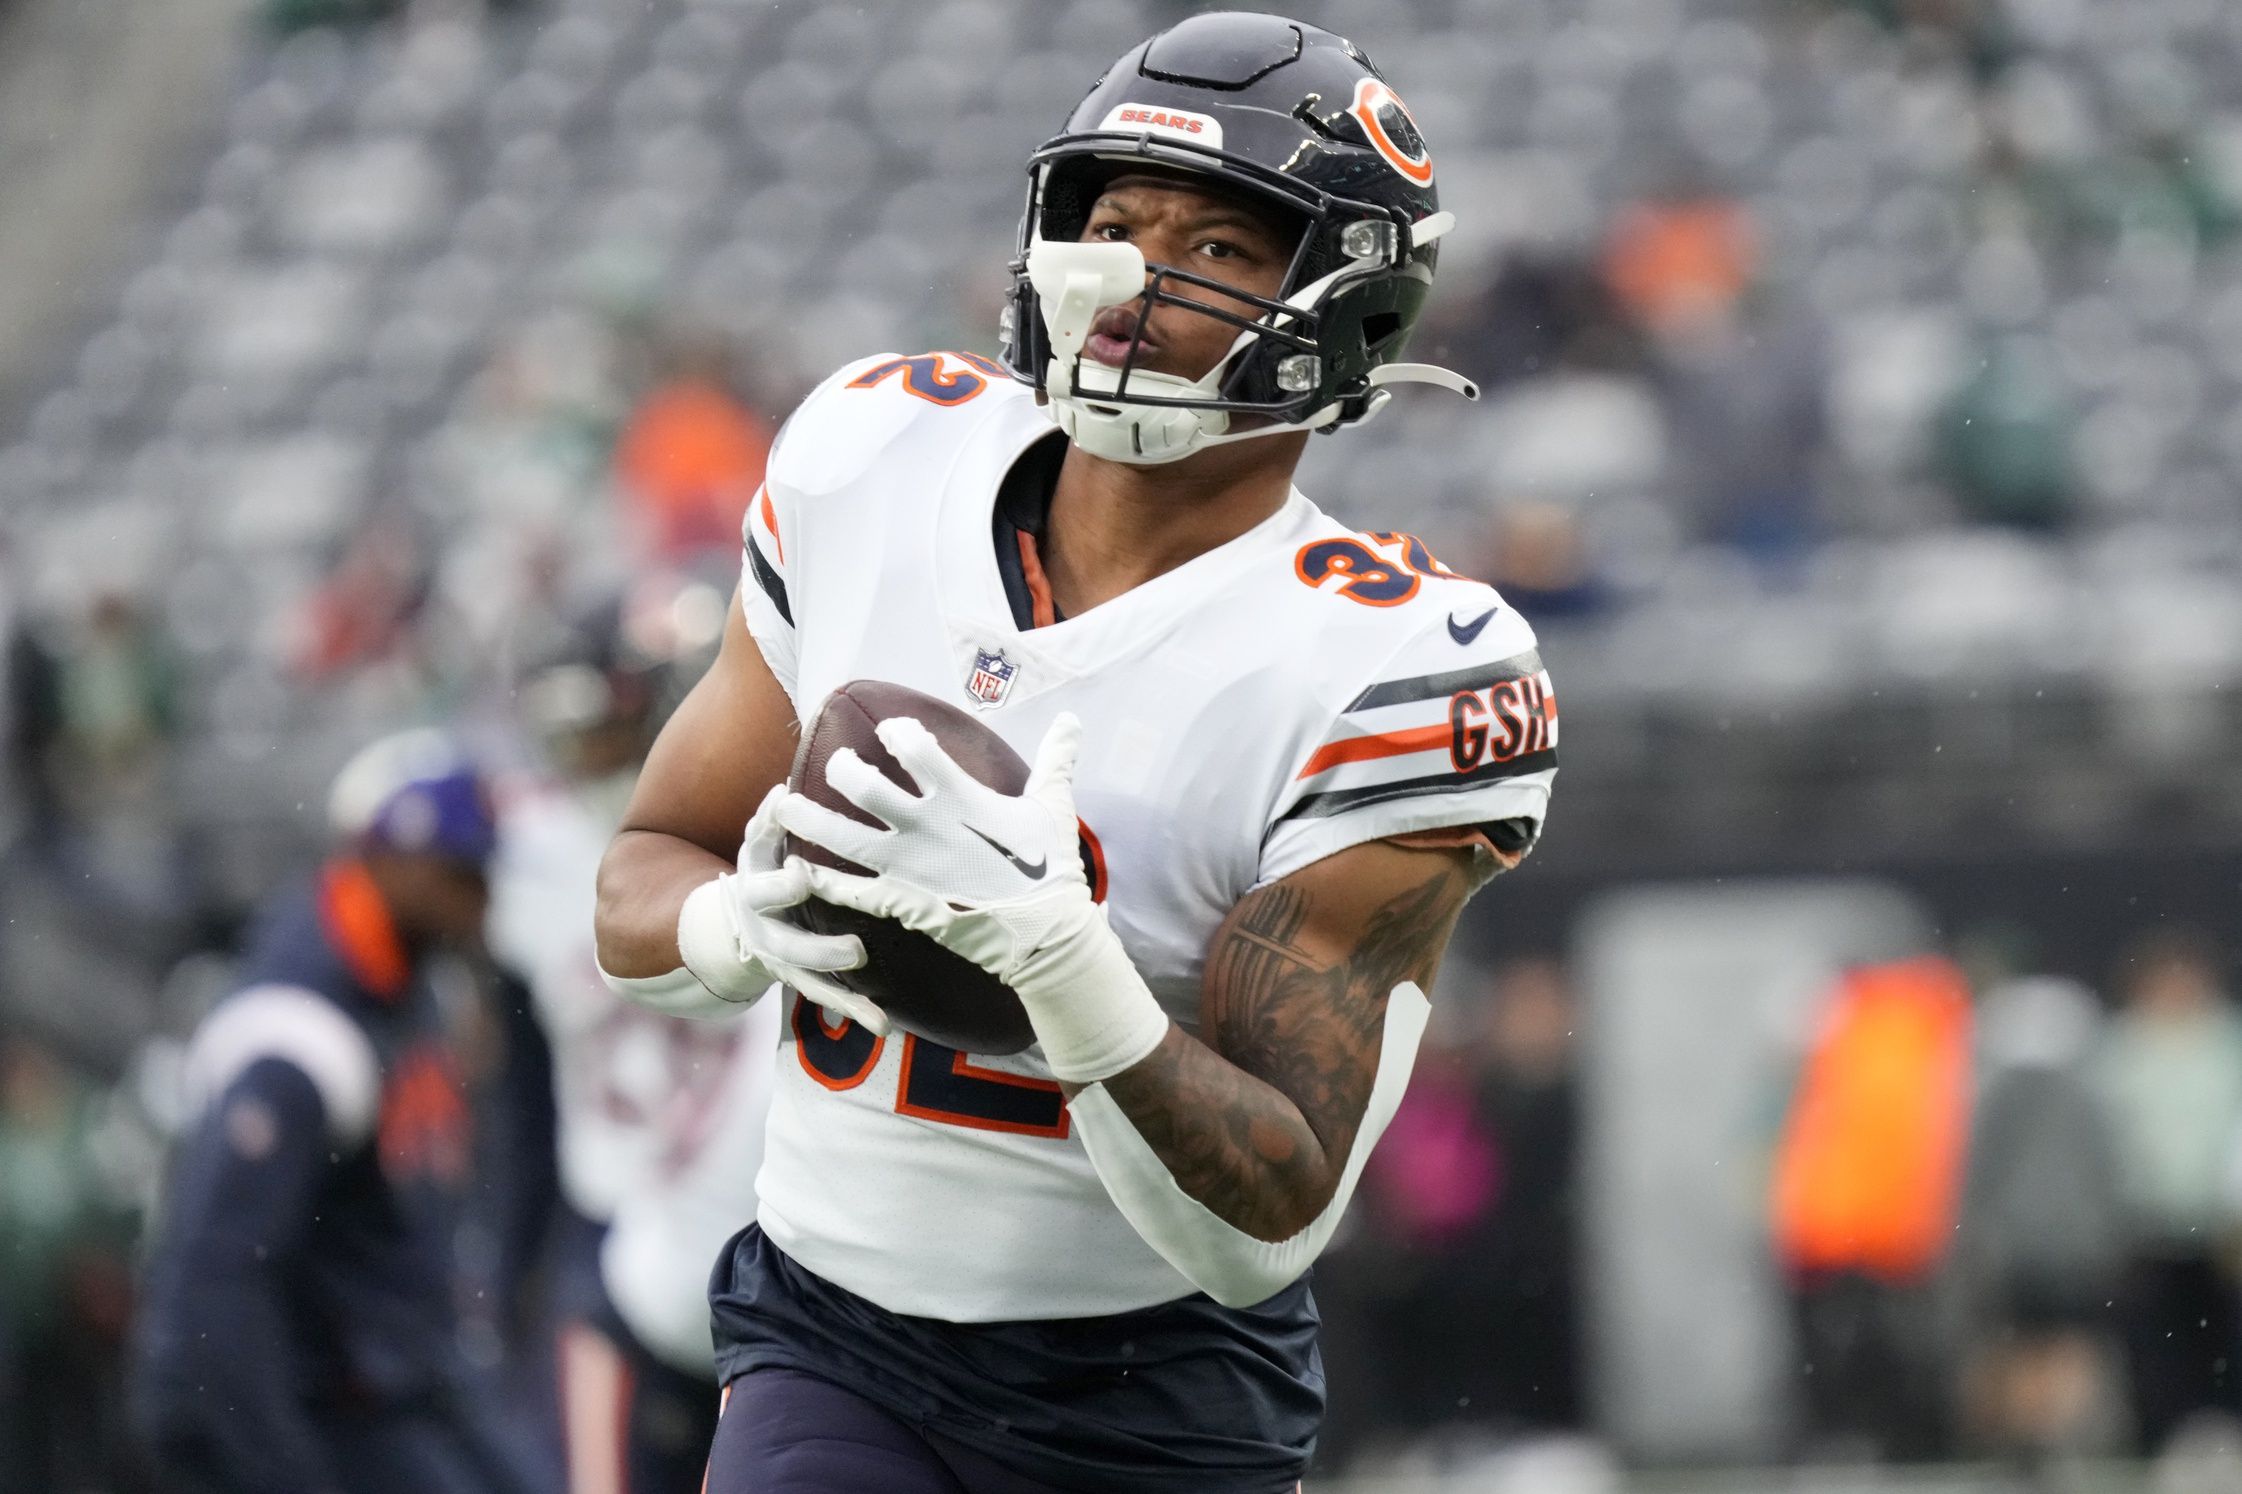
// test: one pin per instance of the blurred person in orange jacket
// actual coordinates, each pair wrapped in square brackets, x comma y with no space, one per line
[1867,1190]
[691,455]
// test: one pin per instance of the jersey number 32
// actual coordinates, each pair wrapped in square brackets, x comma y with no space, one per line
[936,1083]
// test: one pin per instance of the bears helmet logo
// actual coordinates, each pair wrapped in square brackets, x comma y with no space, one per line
[1391,130]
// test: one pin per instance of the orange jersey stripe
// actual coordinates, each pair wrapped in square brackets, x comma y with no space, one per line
[770,522]
[1364,749]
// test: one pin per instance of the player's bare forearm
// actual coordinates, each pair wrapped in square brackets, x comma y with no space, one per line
[643,881]
[1257,1121]
[729,740]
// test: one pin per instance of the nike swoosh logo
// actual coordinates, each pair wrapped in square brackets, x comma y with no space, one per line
[1465,632]
[1034,869]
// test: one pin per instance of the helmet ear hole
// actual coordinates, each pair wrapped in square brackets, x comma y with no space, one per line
[1380,328]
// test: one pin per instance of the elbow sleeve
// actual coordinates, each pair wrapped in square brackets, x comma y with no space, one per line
[1216,1256]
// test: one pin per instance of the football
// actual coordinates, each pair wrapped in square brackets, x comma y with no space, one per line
[927,989]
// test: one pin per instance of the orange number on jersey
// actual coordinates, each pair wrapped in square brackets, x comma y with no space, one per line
[836,1057]
[926,376]
[939,1083]
[1372,579]
[1369,578]
[942,1084]
[1415,553]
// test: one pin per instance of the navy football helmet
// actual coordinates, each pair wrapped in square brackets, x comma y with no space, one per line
[1277,111]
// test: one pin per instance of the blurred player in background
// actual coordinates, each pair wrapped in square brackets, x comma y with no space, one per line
[668,1231]
[638,1097]
[299,1333]
[1296,749]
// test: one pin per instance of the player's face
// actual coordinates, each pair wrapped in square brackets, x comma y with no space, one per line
[1175,223]
[437,900]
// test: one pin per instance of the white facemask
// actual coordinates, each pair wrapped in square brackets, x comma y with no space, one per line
[1074,282]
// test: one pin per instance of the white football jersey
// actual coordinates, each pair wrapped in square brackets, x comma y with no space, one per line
[668,1229]
[1299,690]
[618,1068]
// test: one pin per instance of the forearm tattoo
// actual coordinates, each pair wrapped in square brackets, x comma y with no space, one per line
[1256,1121]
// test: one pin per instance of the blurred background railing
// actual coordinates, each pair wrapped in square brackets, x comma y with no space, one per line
[1861,435]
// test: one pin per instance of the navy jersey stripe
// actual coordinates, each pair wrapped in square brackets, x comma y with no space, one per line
[1339,801]
[1434,686]
[774,586]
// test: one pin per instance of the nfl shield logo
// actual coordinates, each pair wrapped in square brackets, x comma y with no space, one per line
[991,679]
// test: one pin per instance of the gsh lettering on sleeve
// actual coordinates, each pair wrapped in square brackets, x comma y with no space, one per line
[1506,720]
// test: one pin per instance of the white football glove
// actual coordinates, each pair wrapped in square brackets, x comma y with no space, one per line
[735,943]
[998,879]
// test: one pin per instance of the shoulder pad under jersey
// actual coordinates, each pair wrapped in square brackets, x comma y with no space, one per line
[848,422]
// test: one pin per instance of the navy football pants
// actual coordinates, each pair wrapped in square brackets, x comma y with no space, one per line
[784,1432]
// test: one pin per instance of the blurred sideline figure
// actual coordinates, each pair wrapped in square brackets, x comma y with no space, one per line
[1866,1194]
[691,455]
[1454,1308]
[2043,1228]
[658,1120]
[66,1227]
[299,1333]
[662,1244]
[2170,1073]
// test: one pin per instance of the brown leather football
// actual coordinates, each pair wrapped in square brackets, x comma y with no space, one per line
[926,988]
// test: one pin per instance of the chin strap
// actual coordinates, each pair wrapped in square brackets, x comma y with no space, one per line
[1423,373]
[1430,227]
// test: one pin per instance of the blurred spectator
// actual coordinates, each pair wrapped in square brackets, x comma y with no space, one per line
[1572,422]
[629,1094]
[1538,559]
[113,839]
[117,686]
[2004,443]
[2170,1071]
[1529,1100]
[1740,374]
[1744,387]
[1681,258]
[1573,435]
[2043,1227]
[1534,316]
[1461,1294]
[364,609]
[691,456]
[64,1280]
[1866,1194]
[302,1331]
[537,425]
[1977,32]
[34,715]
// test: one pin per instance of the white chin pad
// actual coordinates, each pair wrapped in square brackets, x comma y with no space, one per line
[1075,282]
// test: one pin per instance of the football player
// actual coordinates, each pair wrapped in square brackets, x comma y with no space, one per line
[299,1331]
[636,1096]
[1292,751]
